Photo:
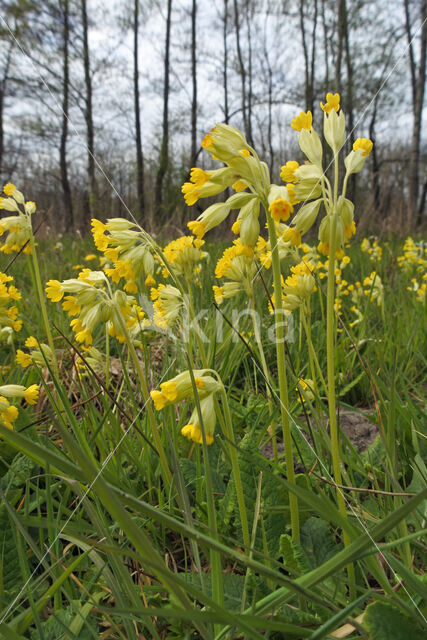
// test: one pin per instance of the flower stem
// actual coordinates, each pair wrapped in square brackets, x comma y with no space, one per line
[147,402]
[330,350]
[281,366]
[42,303]
[265,373]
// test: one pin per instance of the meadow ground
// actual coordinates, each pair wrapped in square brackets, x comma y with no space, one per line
[116,525]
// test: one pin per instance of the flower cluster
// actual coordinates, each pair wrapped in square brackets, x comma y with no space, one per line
[17,226]
[92,302]
[243,170]
[39,354]
[299,286]
[184,255]
[181,388]
[8,412]
[414,256]
[420,290]
[372,248]
[9,321]
[168,304]
[129,249]
[309,182]
[238,266]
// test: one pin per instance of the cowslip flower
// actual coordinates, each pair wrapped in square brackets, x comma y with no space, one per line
[355,160]
[287,172]
[181,388]
[8,412]
[92,302]
[9,294]
[39,354]
[17,227]
[303,121]
[29,394]
[332,102]
[129,248]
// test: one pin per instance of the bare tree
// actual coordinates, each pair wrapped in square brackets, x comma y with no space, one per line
[225,61]
[194,144]
[90,134]
[309,56]
[66,189]
[164,148]
[138,141]
[418,78]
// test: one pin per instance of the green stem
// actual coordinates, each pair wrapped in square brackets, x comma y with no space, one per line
[330,350]
[229,433]
[147,403]
[281,366]
[265,373]
[42,303]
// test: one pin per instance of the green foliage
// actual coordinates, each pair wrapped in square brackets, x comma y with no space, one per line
[384,621]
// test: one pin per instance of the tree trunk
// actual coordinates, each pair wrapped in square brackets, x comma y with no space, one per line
[194,142]
[241,67]
[66,190]
[3,86]
[325,44]
[374,156]
[249,17]
[164,148]
[90,136]
[340,41]
[418,78]
[309,60]
[225,69]
[140,208]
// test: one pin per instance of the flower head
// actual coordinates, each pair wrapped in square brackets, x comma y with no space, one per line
[332,102]
[302,121]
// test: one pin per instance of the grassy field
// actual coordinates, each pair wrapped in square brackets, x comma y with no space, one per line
[101,538]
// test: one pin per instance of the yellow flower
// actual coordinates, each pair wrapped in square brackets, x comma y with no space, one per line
[364,145]
[303,121]
[54,290]
[9,189]
[332,102]
[31,342]
[280,210]
[292,236]
[287,172]
[218,294]
[90,256]
[23,359]
[31,394]
[158,399]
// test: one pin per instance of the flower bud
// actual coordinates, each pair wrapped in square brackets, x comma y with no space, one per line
[311,146]
[334,129]
[308,189]
[249,229]
[306,216]
[354,162]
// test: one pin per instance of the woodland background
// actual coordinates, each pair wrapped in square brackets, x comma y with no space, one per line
[103,105]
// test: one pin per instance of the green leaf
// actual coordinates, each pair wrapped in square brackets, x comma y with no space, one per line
[294,555]
[318,541]
[383,621]
[418,482]
[10,575]
[18,472]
